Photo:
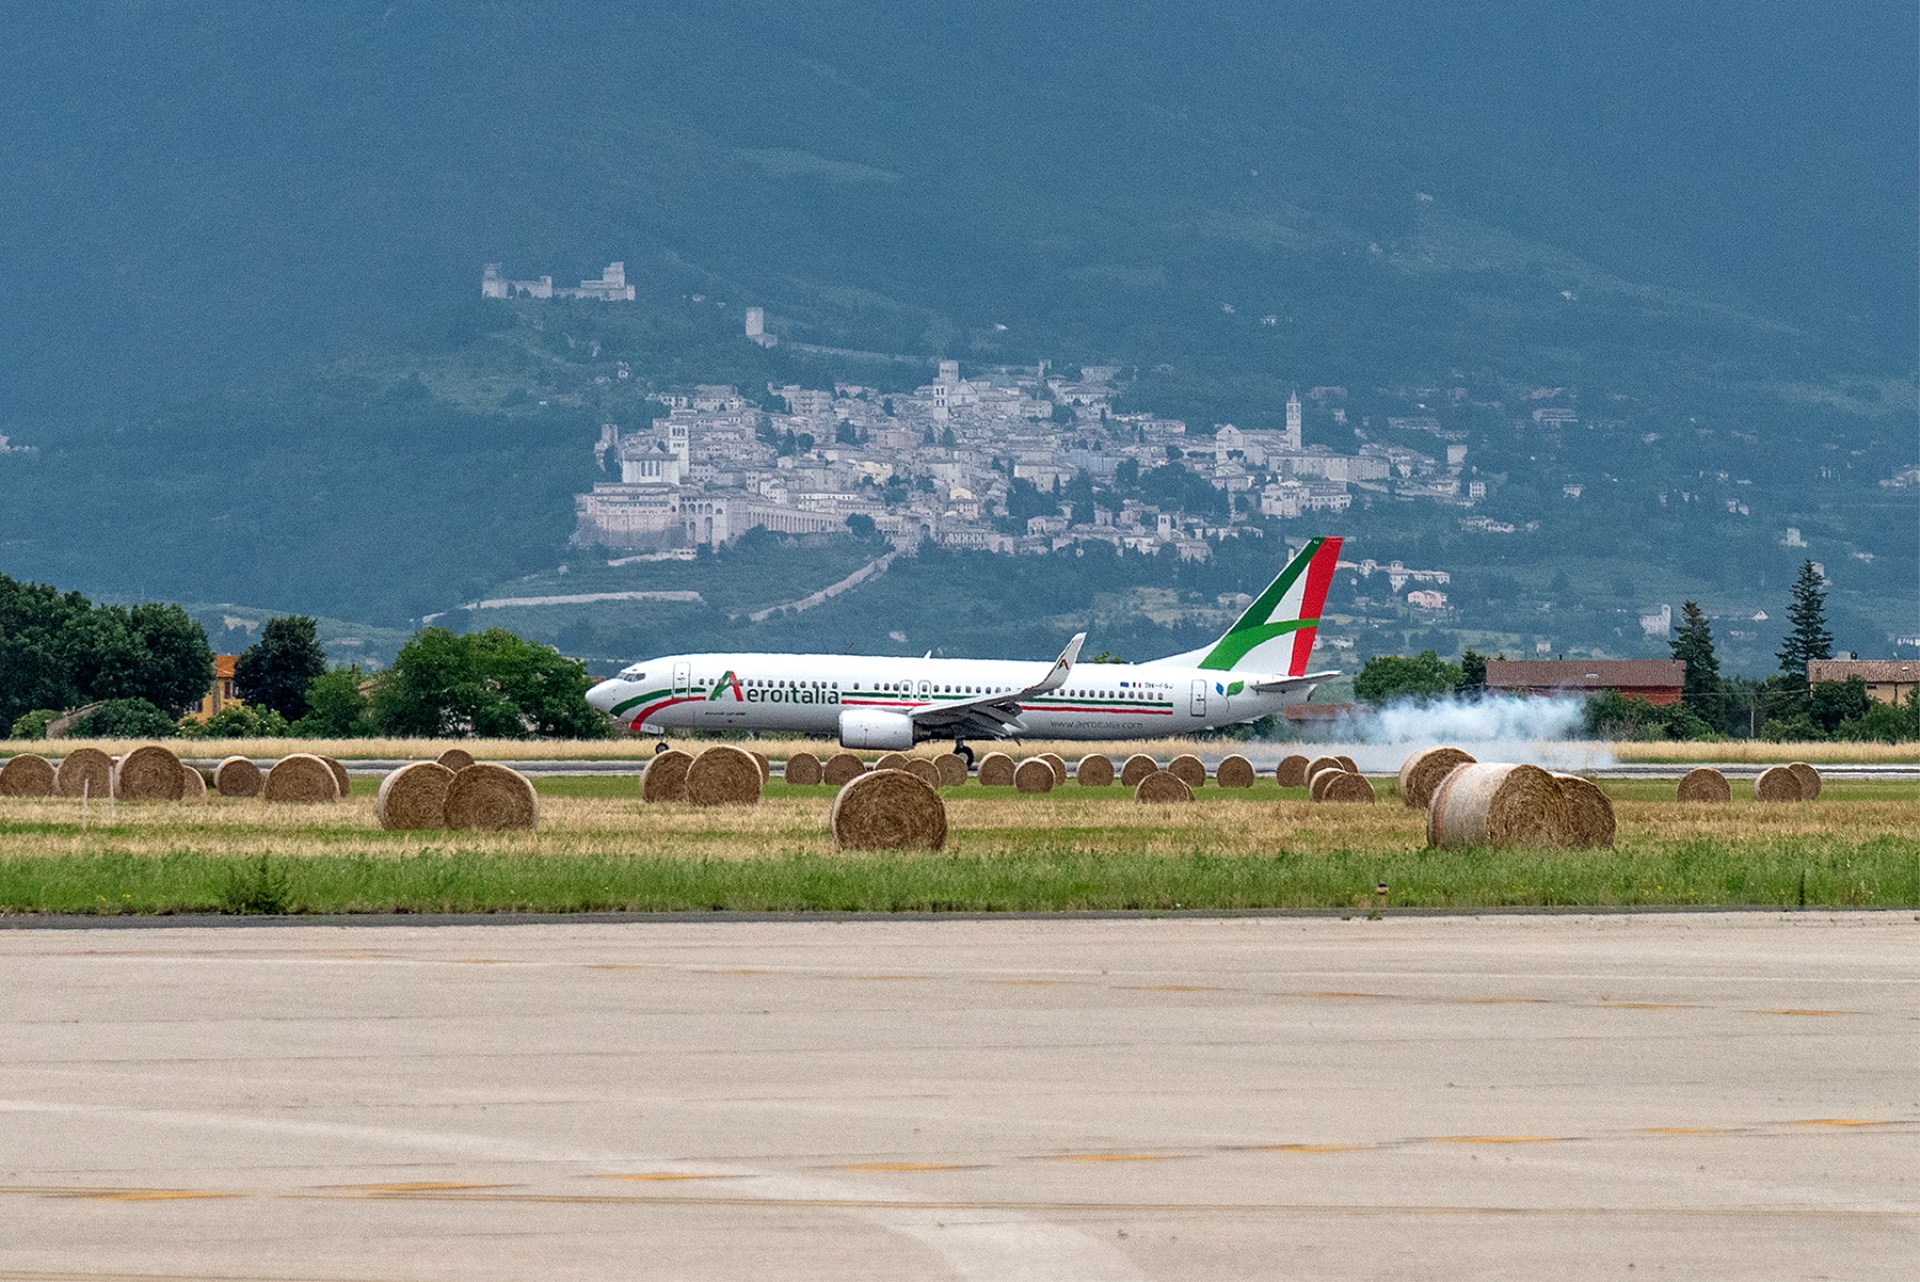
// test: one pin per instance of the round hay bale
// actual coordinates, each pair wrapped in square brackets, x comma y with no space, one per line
[996,770]
[1704,783]
[1162,786]
[1318,764]
[300,778]
[842,768]
[665,778]
[1095,770]
[766,766]
[1234,771]
[724,776]
[1291,772]
[86,772]
[1777,783]
[952,769]
[456,759]
[149,773]
[237,777]
[1033,775]
[27,775]
[193,784]
[1345,785]
[1437,804]
[1589,813]
[1421,773]
[414,796]
[1317,788]
[1809,780]
[923,769]
[1495,804]
[888,810]
[1059,764]
[340,777]
[892,761]
[1190,770]
[1346,764]
[1136,768]
[803,768]
[494,797]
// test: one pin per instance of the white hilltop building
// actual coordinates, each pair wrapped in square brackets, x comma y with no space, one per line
[612,286]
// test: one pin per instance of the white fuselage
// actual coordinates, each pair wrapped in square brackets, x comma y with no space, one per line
[805,694]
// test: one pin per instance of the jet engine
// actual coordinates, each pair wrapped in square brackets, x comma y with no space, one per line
[872,728]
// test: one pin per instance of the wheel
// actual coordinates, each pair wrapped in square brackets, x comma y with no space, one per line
[660,747]
[965,752]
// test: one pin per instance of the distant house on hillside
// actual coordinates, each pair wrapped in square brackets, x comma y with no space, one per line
[1888,680]
[1657,681]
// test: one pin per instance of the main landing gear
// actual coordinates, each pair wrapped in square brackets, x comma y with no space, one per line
[964,752]
[660,747]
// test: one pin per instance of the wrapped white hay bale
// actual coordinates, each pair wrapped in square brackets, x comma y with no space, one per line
[1059,764]
[149,773]
[665,777]
[892,761]
[952,768]
[724,776]
[1496,804]
[1589,813]
[193,784]
[888,810]
[803,768]
[996,770]
[493,798]
[1033,775]
[923,769]
[1095,771]
[340,777]
[1345,786]
[85,772]
[456,759]
[238,777]
[1234,771]
[1809,780]
[1136,768]
[27,775]
[301,778]
[1421,773]
[843,767]
[414,796]
[1704,783]
[1777,783]
[1190,770]
[1292,771]
[1162,787]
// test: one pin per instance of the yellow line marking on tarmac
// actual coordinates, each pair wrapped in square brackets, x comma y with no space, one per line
[650,1177]
[1689,1130]
[1308,1148]
[1649,1006]
[1368,997]
[1496,1139]
[1111,1157]
[1841,1121]
[150,1195]
[906,1167]
[421,1186]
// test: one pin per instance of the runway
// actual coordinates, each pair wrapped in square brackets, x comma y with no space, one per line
[1697,1096]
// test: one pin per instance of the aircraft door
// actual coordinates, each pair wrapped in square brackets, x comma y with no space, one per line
[1199,704]
[682,678]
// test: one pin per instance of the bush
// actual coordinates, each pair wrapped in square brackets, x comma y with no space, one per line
[126,719]
[238,723]
[32,725]
[1882,723]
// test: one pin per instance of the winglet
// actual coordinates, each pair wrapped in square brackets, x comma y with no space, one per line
[1057,674]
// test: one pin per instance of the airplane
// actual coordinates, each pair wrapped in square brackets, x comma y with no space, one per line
[1257,667]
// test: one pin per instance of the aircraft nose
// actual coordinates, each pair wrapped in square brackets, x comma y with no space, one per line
[605,695]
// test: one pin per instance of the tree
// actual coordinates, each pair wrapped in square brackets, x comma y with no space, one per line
[275,671]
[336,707]
[1808,637]
[488,684]
[1473,673]
[1832,702]
[126,719]
[861,526]
[238,721]
[1693,645]
[1386,678]
[177,663]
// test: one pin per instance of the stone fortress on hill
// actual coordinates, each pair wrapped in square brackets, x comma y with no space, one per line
[612,286]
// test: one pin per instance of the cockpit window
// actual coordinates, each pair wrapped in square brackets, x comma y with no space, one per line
[634,673]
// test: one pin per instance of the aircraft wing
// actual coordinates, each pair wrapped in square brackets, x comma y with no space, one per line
[995,716]
[1288,683]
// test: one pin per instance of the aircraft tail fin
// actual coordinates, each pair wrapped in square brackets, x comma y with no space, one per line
[1275,633]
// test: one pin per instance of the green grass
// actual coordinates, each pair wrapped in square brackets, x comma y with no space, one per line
[1834,874]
